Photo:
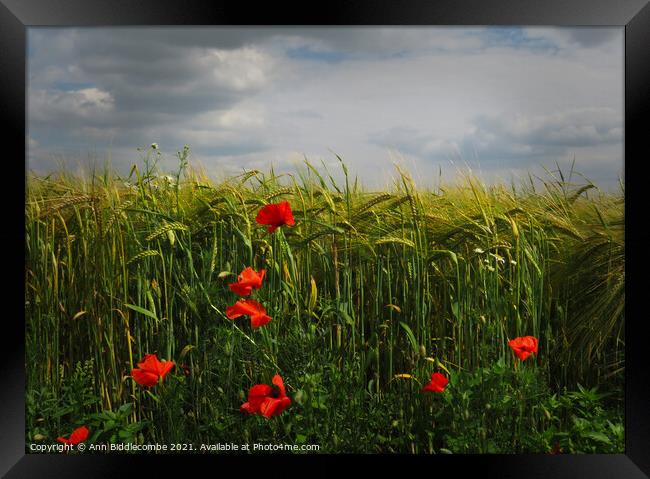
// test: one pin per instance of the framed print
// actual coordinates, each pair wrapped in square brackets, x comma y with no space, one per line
[387,232]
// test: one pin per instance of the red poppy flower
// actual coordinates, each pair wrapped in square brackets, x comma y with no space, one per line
[78,435]
[246,281]
[267,400]
[249,307]
[437,383]
[524,346]
[150,370]
[276,215]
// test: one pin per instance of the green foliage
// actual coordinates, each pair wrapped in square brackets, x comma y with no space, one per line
[110,427]
[580,423]
[366,286]
[492,409]
[503,410]
[51,415]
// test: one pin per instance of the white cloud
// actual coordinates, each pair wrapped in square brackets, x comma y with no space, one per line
[242,97]
[84,103]
[241,70]
[94,98]
[240,117]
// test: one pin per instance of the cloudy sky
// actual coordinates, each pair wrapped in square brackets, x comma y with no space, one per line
[499,101]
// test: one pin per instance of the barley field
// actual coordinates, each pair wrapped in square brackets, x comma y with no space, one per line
[370,293]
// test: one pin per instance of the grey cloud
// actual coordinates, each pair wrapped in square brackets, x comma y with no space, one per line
[577,127]
[569,39]
[119,88]
[504,141]
[186,82]
[129,86]
[543,139]
[417,143]
[145,68]
[307,114]
[591,37]
[388,41]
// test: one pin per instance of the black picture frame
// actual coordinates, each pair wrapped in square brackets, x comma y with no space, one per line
[17,15]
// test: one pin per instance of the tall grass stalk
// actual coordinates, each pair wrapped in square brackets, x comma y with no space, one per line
[397,281]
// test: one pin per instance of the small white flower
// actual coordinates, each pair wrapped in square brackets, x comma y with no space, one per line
[500,259]
[478,250]
[167,179]
[512,261]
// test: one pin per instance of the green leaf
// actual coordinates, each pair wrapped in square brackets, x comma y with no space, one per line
[245,239]
[152,396]
[410,336]
[125,409]
[455,310]
[449,253]
[186,350]
[598,436]
[371,357]
[62,412]
[348,319]
[140,310]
